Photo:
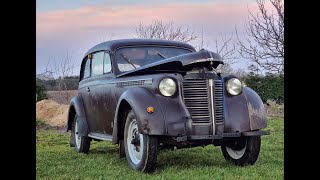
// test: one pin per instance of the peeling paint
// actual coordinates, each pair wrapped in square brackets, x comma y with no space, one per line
[257,112]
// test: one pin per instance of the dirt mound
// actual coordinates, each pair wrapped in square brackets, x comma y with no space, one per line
[52,113]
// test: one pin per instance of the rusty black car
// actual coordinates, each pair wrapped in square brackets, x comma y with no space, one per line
[146,95]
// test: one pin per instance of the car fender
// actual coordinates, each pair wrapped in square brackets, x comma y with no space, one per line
[243,112]
[139,99]
[256,109]
[76,107]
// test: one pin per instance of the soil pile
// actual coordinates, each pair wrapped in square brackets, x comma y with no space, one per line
[52,113]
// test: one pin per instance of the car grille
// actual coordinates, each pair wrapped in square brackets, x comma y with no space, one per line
[218,101]
[196,99]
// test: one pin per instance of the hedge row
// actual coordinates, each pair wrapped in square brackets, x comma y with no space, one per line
[268,87]
[41,92]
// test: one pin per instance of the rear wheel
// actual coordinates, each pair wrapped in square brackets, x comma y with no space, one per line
[81,144]
[141,150]
[243,151]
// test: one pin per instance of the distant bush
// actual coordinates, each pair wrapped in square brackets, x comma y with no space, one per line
[41,92]
[72,83]
[268,87]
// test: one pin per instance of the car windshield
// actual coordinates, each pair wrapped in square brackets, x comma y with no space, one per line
[134,57]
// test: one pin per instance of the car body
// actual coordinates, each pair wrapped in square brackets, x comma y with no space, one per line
[147,95]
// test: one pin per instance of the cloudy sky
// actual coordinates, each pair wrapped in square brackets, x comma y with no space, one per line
[77,25]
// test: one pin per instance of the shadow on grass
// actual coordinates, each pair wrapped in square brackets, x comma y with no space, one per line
[188,158]
[183,159]
[104,150]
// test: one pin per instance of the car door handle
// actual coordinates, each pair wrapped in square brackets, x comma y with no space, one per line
[88,89]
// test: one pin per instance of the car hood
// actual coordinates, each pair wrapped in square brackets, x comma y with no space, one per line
[185,62]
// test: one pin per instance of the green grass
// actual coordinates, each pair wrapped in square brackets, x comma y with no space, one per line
[57,160]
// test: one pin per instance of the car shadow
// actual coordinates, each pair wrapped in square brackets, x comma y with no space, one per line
[188,158]
[183,158]
[104,150]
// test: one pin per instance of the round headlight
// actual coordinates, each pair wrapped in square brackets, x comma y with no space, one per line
[167,87]
[234,86]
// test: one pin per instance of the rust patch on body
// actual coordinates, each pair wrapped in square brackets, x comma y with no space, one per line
[144,126]
[257,112]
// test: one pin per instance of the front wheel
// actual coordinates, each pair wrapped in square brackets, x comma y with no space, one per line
[81,144]
[243,151]
[141,150]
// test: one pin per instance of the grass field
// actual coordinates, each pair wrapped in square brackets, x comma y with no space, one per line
[57,160]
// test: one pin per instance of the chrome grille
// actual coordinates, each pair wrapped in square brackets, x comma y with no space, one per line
[218,101]
[196,99]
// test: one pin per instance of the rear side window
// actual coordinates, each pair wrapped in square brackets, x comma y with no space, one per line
[97,63]
[86,71]
[107,63]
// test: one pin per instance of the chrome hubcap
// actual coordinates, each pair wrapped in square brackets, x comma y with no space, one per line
[134,142]
[236,154]
[76,134]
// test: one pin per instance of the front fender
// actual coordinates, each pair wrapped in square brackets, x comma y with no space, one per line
[76,107]
[244,112]
[139,99]
[256,109]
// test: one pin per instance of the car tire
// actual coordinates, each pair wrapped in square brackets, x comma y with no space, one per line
[121,150]
[141,150]
[244,151]
[81,144]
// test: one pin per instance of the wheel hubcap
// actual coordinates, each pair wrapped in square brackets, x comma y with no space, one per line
[237,152]
[134,142]
[76,134]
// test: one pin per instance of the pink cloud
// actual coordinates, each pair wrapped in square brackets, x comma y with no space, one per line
[128,16]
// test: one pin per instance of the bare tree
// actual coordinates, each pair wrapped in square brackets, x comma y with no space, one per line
[60,70]
[162,30]
[226,48]
[265,44]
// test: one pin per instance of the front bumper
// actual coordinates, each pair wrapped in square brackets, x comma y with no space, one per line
[221,136]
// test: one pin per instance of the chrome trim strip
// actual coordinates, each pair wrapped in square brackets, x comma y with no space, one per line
[146,81]
[212,105]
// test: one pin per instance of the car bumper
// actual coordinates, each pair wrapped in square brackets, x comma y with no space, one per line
[221,136]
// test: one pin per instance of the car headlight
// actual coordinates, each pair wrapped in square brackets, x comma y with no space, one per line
[234,86]
[167,87]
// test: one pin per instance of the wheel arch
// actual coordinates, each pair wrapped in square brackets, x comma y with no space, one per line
[76,108]
[138,99]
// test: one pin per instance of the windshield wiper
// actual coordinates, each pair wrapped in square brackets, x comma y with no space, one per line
[163,56]
[128,60]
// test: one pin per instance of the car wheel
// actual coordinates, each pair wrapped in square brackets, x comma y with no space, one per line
[81,144]
[244,151]
[121,149]
[141,150]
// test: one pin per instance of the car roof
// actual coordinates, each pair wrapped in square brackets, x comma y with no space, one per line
[115,44]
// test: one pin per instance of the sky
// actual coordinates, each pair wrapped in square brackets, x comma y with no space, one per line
[74,26]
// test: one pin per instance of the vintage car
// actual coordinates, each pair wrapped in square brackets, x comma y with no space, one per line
[146,95]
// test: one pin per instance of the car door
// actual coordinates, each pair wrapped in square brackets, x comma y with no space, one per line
[84,92]
[102,93]
[107,95]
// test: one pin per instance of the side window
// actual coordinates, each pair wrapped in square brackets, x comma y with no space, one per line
[97,64]
[107,63]
[86,70]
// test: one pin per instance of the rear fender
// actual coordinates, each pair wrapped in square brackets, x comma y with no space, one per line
[76,108]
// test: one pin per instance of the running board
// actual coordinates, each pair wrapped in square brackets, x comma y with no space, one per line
[100,136]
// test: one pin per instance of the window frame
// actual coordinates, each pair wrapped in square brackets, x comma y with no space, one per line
[84,67]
